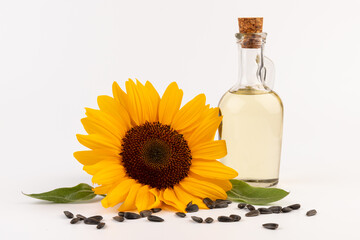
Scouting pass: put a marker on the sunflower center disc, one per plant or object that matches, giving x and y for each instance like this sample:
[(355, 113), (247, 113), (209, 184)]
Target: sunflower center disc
[(155, 155)]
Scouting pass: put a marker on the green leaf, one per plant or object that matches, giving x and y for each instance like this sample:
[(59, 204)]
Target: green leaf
[(243, 192), (81, 192)]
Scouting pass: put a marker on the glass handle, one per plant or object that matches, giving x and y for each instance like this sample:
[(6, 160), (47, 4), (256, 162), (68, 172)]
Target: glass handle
[(268, 73)]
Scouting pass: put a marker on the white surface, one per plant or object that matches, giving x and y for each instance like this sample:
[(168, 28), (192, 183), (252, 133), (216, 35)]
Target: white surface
[(56, 57)]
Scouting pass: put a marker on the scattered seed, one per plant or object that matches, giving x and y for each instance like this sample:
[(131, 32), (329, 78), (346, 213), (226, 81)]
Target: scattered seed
[(221, 205), (100, 225), (131, 215), (253, 213), (68, 214), (220, 201), (286, 210), (271, 226), (225, 219), (81, 217), (197, 219), (275, 209), (189, 204), (119, 218), (235, 217), (209, 220), (74, 220), (145, 213), (311, 213), (241, 205), (155, 210), (121, 214), (209, 203), (181, 214), (192, 208), (264, 211), (153, 218), (250, 207), (295, 206), (91, 221), (97, 217)]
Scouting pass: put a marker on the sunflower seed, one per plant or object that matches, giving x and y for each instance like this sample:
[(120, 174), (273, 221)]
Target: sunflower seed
[(121, 213), (252, 213), (225, 219), (221, 205), (197, 219), (100, 225), (235, 217), (271, 226), (228, 201), (119, 218), (209, 203), (81, 217), (295, 206), (275, 209), (189, 204), (311, 213), (181, 214), (91, 221), (131, 215), (209, 220), (241, 205), (153, 218), (155, 210), (68, 214), (145, 213), (264, 211), (97, 217), (192, 208), (74, 220), (286, 210), (250, 207)]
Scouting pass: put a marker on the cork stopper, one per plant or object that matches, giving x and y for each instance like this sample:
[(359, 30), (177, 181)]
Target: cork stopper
[(250, 25), (250, 32)]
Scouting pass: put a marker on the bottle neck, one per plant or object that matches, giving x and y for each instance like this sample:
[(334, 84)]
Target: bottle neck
[(251, 62)]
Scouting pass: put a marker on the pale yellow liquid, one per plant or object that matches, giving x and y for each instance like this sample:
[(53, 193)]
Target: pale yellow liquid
[(252, 127)]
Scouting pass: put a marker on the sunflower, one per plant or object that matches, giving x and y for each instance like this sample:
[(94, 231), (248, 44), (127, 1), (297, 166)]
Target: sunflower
[(147, 152)]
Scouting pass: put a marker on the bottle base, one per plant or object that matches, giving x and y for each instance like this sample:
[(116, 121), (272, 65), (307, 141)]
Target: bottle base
[(262, 182)]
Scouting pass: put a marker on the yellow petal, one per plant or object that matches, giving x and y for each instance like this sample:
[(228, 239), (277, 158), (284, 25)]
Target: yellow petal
[(108, 174), (109, 163), (212, 169), (156, 194), (104, 189), (170, 103), (116, 110), (155, 101), (118, 194), (206, 130), (187, 197), (202, 188), (209, 150), (129, 203), (92, 127), (105, 120), (95, 141), (135, 103), (189, 114), (224, 184), (94, 156), (169, 197), (144, 199), (119, 95)]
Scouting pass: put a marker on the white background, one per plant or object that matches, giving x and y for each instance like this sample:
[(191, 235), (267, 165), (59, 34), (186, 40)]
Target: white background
[(56, 57)]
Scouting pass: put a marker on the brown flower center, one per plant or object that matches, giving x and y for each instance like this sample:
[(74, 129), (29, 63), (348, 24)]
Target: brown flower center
[(156, 155)]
